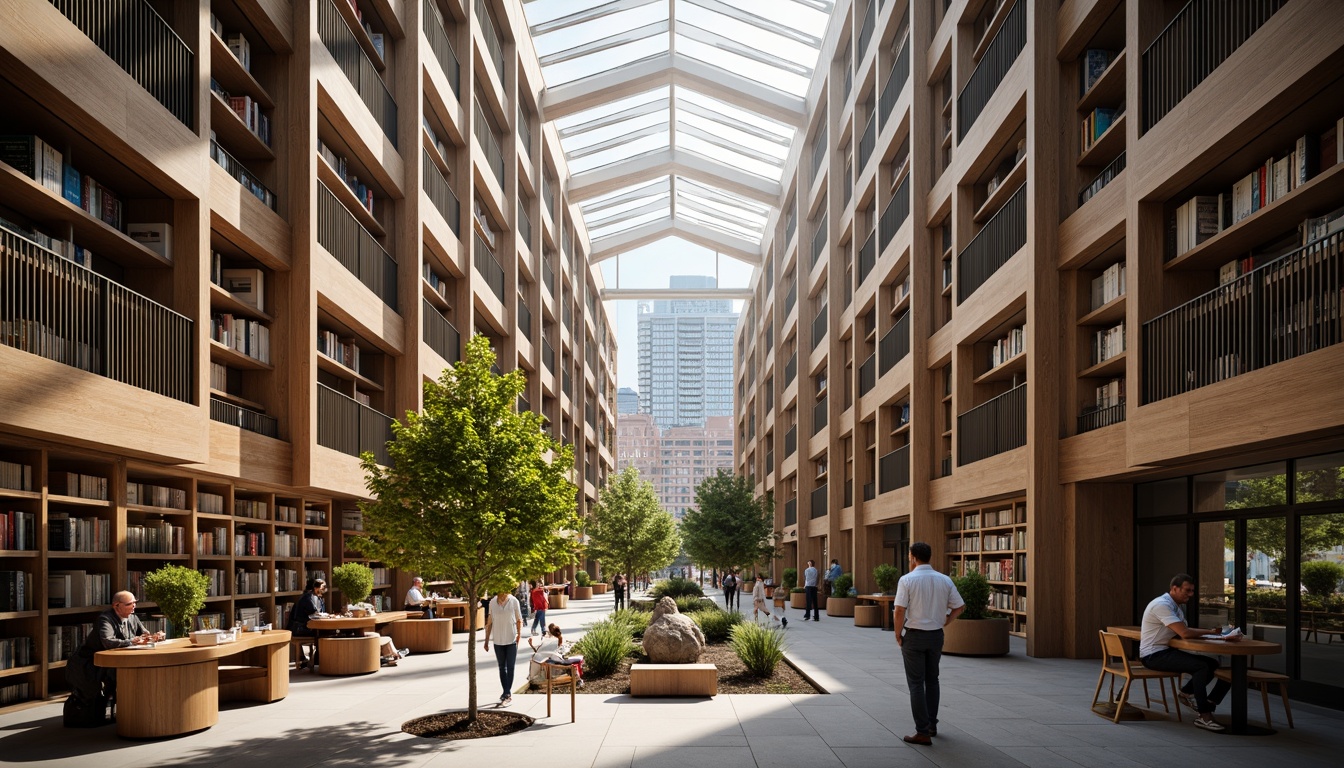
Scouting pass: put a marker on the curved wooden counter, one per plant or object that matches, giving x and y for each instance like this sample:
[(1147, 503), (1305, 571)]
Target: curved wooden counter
[(175, 687)]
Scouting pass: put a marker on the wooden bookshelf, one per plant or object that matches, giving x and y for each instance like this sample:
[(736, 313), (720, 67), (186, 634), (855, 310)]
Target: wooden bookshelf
[(229, 73), (233, 133), (333, 181), (1107, 145), (1109, 88), (1006, 189), (992, 539)]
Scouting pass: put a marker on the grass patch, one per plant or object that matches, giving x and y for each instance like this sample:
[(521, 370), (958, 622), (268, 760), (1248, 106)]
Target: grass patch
[(605, 646), (716, 625), (760, 648)]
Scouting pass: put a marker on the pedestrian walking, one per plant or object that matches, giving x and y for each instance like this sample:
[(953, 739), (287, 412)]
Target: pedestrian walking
[(926, 601), (729, 590), (810, 587), (758, 599), (618, 586), (504, 625)]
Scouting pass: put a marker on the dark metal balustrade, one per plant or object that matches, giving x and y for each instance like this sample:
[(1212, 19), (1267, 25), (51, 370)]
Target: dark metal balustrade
[(347, 425), (440, 334), (867, 257), (359, 70), (868, 375), (1101, 417), (993, 67), (442, 46), (790, 441), (891, 90), (993, 427), (895, 214), (820, 415), (893, 470), (489, 267), (244, 418), (1002, 236), (355, 247), (895, 345), (441, 194), (791, 512), (818, 505)]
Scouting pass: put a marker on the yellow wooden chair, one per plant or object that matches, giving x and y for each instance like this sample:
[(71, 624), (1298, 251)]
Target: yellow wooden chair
[(1115, 662), (1262, 680), (561, 675)]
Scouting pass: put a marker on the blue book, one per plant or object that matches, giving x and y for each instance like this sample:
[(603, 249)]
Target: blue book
[(71, 184)]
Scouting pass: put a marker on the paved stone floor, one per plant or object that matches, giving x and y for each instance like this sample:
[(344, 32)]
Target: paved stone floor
[(995, 712)]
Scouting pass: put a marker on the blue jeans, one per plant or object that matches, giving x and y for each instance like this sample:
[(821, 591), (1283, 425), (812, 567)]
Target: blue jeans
[(1199, 668), (810, 608), (539, 620), (921, 650), (505, 655)]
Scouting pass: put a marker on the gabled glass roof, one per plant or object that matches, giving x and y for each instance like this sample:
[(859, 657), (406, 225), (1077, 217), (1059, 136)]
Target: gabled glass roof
[(699, 154)]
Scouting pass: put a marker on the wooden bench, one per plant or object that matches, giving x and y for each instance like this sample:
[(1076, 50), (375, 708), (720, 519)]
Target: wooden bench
[(348, 655), (674, 680), (422, 635)]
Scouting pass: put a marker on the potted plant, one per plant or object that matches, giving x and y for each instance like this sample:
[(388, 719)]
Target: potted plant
[(787, 581), (887, 576), (180, 593), (583, 586), (354, 581), (840, 602), (798, 597), (600, 587), (976, 633)]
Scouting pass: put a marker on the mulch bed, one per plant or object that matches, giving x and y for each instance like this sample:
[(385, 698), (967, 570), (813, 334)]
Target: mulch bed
[(733, 676), (452, 726)]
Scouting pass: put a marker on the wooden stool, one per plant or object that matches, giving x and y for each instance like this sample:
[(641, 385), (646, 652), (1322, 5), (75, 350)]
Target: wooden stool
[(296, 644), (560, 674), (349, 655), (674, 680), (867, 615), (1262, 680), (422, 635)]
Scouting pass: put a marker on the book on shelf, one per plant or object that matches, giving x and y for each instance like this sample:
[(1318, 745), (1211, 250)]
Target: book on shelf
[(18, 530), (249, 337), (1092, 65), (250, 543), (156, 237), (14, 693), (1109, 285), (343, 351), (156, 538), (78, 589), (210, 503), (214, 541), (31, 156), (78, 534), (314, 516), (1269, 252), (155, 496), (352, 520), (1008, 347), (253, 508), (16, 591), (1110, 394), (1108, 343), (241, 49), (77, 485), (378, 44), (1097, 122), (246, 285), (16, 652), (363, 398), (16, 476)]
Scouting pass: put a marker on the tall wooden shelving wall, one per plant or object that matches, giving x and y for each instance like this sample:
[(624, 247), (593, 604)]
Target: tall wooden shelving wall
[(992, 539)]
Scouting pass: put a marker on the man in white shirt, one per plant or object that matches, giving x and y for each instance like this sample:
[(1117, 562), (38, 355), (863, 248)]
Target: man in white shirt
[(415, 598), (810, 587), (1164, 619), (926, 601), (504, 626)]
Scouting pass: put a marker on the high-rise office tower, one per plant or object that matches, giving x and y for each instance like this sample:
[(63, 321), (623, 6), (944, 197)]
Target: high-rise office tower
[(686, 356), (627, 401)]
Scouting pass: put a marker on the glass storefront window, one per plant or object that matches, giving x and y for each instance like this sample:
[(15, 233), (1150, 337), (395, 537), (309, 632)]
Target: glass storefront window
[(1319, 478), (1266, 590), (1321, 538), (1265, 485), (1161, 555), (1213, 582)]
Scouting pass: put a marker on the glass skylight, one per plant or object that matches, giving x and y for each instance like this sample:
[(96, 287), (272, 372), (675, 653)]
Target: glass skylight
[(752, 55)]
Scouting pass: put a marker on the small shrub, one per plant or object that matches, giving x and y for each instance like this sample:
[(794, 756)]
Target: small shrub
[(789, 579), (674, 588), (180, 593), (635, 621), (887, 576), (353, 580), (841, 586), (974, 589), (604, 646), (643, 606), (690, 605), (760, 648), (1321, 577), (797, 591), (717, 625), (583, 579)]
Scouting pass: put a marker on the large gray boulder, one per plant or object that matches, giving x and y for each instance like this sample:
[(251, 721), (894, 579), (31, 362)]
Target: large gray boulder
[(671, 637)]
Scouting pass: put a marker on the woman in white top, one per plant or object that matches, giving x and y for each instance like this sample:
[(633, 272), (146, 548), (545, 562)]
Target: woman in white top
[(551, 648), (758, 599)]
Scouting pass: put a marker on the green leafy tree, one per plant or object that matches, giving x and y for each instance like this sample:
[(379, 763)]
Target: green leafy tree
[(1318, 533), (728, 525), (627, 527), (353, 580), (476, 493)]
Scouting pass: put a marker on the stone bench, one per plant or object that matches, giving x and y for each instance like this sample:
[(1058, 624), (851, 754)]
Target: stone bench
[(422, 635), (674, 680)]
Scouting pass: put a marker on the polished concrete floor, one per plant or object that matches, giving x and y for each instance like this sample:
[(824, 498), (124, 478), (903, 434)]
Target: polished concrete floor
[(995, 712)]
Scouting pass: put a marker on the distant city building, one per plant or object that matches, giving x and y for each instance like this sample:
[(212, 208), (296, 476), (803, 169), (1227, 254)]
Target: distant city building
[(675, 460), (686, 356), (627, 401)]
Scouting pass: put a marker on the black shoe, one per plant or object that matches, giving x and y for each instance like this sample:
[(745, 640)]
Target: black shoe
[(816, 619), (933, 731), (784, 622)]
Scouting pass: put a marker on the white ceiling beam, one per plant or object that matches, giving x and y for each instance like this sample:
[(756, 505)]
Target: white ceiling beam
[(630, 113), (759, 22), (618, 294), (714, 39), (660, 187), (607, 42), (726, 198), (721, 215), (616, 141), (614, 245), (609, 178), (730, 146), (589, 14), (686, 105), (660, 205)]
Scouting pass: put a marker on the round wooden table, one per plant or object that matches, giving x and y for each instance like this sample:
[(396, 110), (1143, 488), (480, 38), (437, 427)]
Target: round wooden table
[(1238, 651), (886, 603), (345, 649)]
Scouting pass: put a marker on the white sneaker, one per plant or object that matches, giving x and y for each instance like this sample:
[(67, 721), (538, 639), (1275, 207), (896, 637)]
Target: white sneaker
[(1208, 724)]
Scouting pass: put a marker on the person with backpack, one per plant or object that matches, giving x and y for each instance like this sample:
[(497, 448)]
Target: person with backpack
[(730, 598)]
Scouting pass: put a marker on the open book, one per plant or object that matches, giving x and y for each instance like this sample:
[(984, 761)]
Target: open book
[(1226, 633)]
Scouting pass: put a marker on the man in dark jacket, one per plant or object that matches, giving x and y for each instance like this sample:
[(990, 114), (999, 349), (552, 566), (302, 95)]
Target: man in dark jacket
[(92, 687)]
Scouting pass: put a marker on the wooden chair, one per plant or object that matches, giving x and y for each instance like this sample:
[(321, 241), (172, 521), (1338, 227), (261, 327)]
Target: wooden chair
[(296, 644), (561, 674), (1115, 662), (1262, 680)]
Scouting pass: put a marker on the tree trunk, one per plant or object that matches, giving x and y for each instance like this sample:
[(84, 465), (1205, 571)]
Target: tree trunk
[(472, 602)]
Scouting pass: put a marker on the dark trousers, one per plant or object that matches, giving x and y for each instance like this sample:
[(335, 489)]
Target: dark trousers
[(1199, 668), (505, 655), (620, 599), (921, 651), (729, 597), (810, 605)]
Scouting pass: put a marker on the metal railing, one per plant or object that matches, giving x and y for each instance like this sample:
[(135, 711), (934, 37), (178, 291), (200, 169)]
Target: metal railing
[(790, 226), (249, 180), (891, 90), (351, 427), (524, 224), (945, 466), (867, 257), (847, 185), (145, 46), (441, 194), (524, 319), (1101, 417), (489, 267), (590, 415), (791, 512), (548, 275), (790, 298), (547, 355), (442, 46), (440, 334), (893, 470), (818, 153), (849, 493), (1001, 237), (820, 414), (998, 59), (1099, 183), (244, 418), (1278, 311), (1201, 37), (868, 375), (359, 70), (485, 134), (567, 383), (548, 194), (993, 427), (769, 398), (895, 345), (817, 507), (790, 441), (819, 326), (867, 142), (769, 461), (895, 214), (866, 29), (819, 240), (57, 309), (869, 491), (354, 247), (524, 130), (791, 369), (491, 35)]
